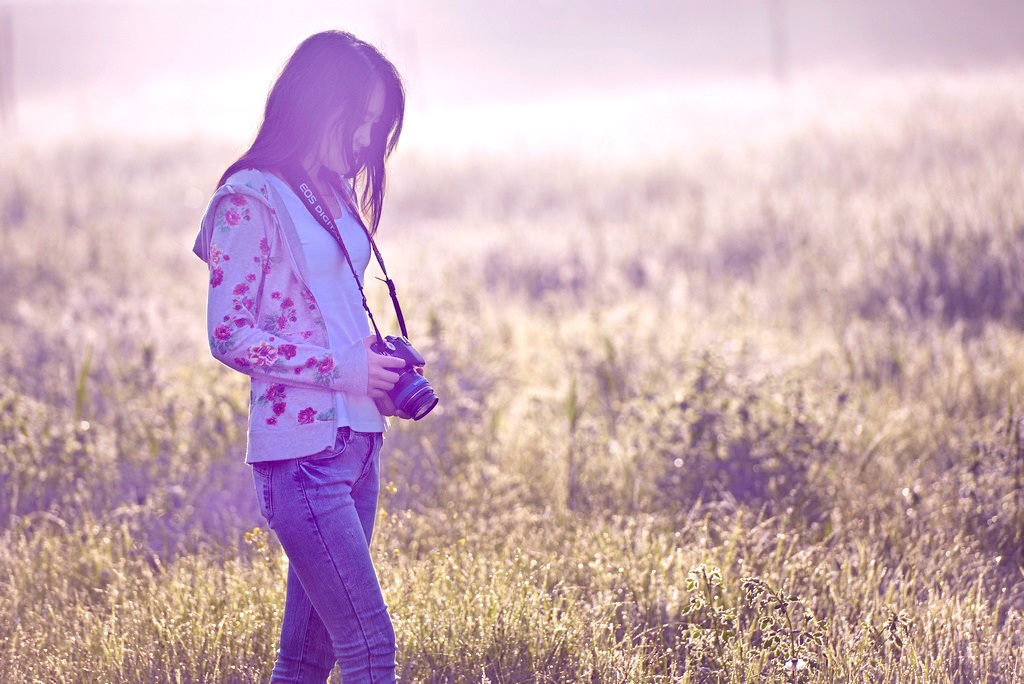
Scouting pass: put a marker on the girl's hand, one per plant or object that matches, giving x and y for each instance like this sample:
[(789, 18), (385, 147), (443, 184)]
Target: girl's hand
[(387, 408), (380, 376)]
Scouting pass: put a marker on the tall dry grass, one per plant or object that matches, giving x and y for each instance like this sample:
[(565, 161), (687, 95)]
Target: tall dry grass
[(749, 413)]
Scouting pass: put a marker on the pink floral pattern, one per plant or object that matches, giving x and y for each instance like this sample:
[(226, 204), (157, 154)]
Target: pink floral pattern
[(264, 322), (275, 393), (307, 297), (286, 314), (264, 258), (325, 365), (262, 354)]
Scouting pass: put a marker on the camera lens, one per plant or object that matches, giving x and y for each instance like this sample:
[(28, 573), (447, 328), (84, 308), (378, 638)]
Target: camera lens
[(413, 394)]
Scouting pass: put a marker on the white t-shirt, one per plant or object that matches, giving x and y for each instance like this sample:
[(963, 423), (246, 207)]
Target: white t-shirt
[(335, 291)]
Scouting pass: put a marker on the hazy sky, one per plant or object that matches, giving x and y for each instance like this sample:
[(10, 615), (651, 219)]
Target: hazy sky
[(174, 66)]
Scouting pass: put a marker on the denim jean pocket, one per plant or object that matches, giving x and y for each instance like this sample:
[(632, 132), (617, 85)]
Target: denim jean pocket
[(340, 446), (370, 454), (262, 477)]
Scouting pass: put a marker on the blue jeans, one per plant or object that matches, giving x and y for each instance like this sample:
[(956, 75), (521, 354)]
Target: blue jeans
[(322, 508)]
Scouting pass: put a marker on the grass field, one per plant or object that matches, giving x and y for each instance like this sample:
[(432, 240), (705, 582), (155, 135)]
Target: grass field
[(744, 411)]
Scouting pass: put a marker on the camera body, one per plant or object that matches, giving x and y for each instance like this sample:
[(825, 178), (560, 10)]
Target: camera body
[(412, 394)]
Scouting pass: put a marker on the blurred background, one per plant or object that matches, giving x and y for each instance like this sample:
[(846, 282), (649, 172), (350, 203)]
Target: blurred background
[(713, 291), (531, 74)]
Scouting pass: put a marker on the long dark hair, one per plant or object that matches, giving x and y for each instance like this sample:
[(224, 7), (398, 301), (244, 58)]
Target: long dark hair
[(330, 71)]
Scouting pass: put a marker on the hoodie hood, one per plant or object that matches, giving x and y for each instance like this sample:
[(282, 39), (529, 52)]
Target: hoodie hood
[(241, 183)]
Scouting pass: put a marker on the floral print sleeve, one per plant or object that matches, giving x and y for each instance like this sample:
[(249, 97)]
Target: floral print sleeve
[(252, 325)]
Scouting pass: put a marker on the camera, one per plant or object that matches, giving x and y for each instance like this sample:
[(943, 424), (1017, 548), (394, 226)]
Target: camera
[(412, 393)]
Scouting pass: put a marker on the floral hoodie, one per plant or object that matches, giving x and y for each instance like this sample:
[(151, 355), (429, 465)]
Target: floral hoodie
[(262, 320)]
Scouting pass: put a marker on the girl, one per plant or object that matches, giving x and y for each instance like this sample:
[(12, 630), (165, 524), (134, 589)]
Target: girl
[(285, 308)]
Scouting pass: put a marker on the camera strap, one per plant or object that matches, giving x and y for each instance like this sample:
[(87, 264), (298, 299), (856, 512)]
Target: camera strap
[(304, 187)]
